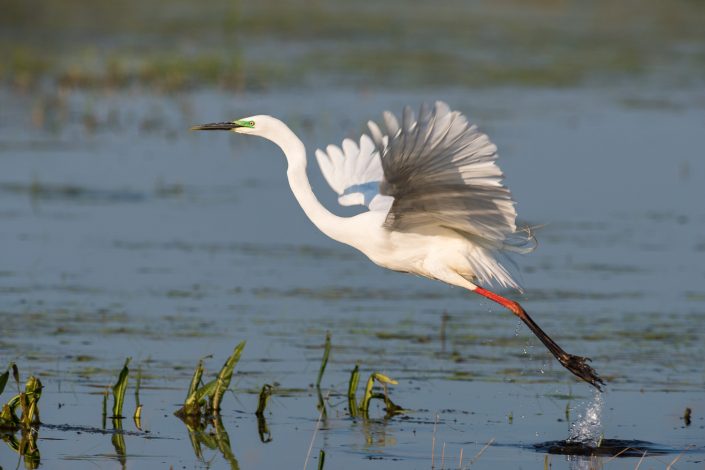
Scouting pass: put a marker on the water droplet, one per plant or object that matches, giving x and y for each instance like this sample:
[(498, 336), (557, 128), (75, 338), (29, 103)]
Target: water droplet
[(588, 427)]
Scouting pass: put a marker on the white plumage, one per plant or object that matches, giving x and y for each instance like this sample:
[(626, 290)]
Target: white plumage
[(432, 175), (437, 205)]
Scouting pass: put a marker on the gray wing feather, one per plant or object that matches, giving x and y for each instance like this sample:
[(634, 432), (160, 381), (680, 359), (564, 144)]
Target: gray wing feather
[(441, 170)]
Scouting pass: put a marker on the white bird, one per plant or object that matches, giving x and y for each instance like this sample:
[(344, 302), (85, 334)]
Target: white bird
[(437, 205)]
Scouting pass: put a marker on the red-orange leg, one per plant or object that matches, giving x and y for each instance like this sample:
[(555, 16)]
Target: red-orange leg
[(576, 364)]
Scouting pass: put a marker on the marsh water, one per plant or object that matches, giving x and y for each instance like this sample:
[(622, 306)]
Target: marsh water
[(124, 235)]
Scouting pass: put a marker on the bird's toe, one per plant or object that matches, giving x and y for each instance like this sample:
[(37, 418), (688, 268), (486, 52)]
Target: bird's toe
[(579, 366)]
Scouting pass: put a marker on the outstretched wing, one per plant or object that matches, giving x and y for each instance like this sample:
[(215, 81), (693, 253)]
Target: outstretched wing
[(441, 170), (355, 173), (435, 170)]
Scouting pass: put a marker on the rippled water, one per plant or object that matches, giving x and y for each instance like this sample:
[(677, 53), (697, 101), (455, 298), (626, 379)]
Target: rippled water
[(125, 235)]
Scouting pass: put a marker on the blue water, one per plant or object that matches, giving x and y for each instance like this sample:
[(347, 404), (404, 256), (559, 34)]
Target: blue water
[(126, 235)]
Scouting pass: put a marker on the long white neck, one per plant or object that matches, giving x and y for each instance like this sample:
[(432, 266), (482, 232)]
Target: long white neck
[(328, 223)]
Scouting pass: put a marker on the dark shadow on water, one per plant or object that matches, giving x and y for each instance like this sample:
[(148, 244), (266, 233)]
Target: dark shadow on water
[(606, 448)]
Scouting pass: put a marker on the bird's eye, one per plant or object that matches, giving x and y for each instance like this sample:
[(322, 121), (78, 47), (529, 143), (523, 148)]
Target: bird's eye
[(252, 123)]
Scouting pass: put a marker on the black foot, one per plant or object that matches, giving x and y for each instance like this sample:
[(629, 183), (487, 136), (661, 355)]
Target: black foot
[(579, 366)]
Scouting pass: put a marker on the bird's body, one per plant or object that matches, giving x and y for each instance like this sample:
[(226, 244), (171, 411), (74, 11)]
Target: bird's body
[(437, 205)]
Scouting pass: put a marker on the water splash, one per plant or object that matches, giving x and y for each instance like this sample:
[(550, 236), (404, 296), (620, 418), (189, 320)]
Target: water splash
[(587, 429)]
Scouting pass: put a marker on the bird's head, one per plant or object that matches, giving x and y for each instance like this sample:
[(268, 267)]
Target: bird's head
[(253, 125)]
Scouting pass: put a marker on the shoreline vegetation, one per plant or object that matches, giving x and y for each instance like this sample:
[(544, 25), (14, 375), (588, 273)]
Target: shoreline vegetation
[(234, 45)]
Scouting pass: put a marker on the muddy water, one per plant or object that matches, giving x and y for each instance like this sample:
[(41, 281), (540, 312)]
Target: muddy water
[(123, 235)]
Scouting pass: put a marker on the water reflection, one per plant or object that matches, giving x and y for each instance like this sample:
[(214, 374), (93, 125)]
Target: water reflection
[(582, 462), (215, 439), (264, 435), (376, 433), (118, 441), (26, 447)]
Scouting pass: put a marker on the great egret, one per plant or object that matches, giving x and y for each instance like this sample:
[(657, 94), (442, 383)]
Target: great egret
[(437, 205)]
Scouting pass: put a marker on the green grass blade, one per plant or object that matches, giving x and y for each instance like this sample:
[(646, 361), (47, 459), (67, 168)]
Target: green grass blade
[(354, 379), (192, 405), (384, 380), (365, 405), (202, 394), (137, 417), (32, 394), (324, 360), (119, 390), (8, 417), (264, 395), (16, 375), (321, 406), (138, 385), (3, 380), (321, 459), (224, 377), (105, 406), (196, 379), (352, 391)]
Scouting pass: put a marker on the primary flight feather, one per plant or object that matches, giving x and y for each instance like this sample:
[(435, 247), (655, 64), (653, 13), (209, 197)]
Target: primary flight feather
[(437, 205)]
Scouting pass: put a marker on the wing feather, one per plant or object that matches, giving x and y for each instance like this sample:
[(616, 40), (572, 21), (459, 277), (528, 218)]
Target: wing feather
[(354, 172), (436, 169), (441, 170)]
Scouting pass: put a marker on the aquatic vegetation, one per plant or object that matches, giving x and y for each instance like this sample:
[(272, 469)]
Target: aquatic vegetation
[(352, 391), (686, 416), (137, 416), (321, 459), (205, 400), (376, 377), (27, 401), (263, 399), (324, 360), (264, 434), (119, 390), (201, 409), (26, 422)]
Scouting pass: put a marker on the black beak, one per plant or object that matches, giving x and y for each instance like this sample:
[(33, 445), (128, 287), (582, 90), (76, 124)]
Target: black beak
[(216, 126)]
